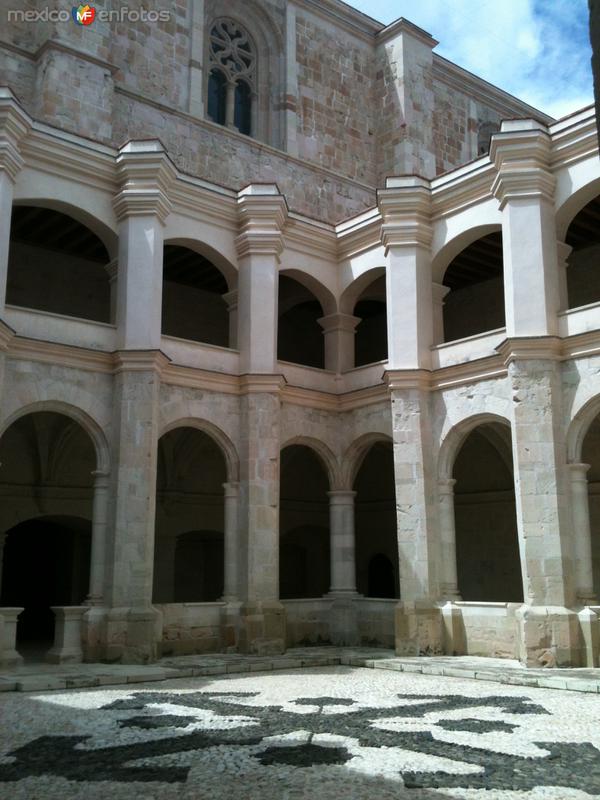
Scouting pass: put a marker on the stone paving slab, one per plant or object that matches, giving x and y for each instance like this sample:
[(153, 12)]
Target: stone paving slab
[(45, 677)]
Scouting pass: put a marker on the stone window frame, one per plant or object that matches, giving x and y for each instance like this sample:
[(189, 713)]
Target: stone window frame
[(234, 68)]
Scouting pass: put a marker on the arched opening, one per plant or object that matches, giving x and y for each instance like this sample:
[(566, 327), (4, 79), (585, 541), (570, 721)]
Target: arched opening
[(475, 300), (193, 306), (583, 270), (304, 550), (189, 537), (217, 96), (299, 335), (370, 344), (590, 454), (46, 488), (57, 265), (375, 524), (487, 543)]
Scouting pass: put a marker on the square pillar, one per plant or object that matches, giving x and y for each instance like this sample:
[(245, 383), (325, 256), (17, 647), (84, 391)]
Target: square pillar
[(15, 125), (131, 619), (548, 625), (9, 657)]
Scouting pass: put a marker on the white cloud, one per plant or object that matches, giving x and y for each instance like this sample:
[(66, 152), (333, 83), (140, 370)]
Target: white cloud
[(536, 50)]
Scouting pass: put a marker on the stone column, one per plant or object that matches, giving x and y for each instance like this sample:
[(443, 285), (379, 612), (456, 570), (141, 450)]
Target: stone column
[(99, 533), (142, 206), (563, 251), (112, 269), (406, 235), (232, 544), (262, 214), (439, 294), (343, 622), (9, 657), (449, 579), (524, 186), (15, 124), (582, 537), (196, 101), (231, 300), (342, 541), (339, 331), (2, 544)]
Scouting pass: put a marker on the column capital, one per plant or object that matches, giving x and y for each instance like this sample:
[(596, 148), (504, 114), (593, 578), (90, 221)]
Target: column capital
[(405, 207), (446, 485), (231, 299), (339, 322), (341, 497), (262, 215), (521, 154), (439, 292), (140, 361), (15, 125), (232, 488), (112, 268), (563, 251), (528, 348), (398, 379), (146, 176), (579, 472)]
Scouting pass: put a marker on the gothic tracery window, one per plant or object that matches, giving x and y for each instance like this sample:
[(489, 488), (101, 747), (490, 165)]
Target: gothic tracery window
[(232, 77)]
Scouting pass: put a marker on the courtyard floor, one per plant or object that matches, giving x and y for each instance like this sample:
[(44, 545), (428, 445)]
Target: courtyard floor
[(319, 732)]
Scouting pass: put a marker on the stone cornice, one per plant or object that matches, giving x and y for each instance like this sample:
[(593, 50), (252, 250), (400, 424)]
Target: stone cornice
[(262, 217), (15, 125), (6, 335), (521, 153), (530, 348), (68, 356), (574, 138), (403, 379), (140, 361), (261, 384), (404, 26), (53, 44), (405, 206), (146, 175)]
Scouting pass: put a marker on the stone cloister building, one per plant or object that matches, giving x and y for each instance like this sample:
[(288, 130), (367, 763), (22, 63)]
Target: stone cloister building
[(299, 342)]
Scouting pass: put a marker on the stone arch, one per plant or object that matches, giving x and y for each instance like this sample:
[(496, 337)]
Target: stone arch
[(353, 291), (579, 426), (319, 290), (355, 455), (456, 244), (221, 262), (219, 437), (325, 455), (89, 425), (456, 436), (106, 231), (571, 205)]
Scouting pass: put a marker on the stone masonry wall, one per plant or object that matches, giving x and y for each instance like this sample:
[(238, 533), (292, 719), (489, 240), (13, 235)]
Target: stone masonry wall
[(335, 104)]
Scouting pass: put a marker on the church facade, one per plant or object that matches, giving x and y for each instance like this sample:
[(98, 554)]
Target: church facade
[(299, 342)]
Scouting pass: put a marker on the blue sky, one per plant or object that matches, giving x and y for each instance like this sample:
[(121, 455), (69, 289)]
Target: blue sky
[(538, 51)]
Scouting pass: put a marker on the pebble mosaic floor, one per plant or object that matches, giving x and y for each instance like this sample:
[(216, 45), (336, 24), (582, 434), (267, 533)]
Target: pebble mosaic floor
[(325, 733)]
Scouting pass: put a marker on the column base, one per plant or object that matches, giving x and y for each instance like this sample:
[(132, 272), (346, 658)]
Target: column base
[(132, 635), (9, 657), (548, 636), (343, 620), (230, 625), (262, 628), (68, 626), (453, 629), (418, 629)]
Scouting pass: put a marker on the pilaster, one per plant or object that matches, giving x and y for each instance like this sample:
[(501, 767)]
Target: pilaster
[(524, 187), (262, 216), (15, 125), (142, 205)]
